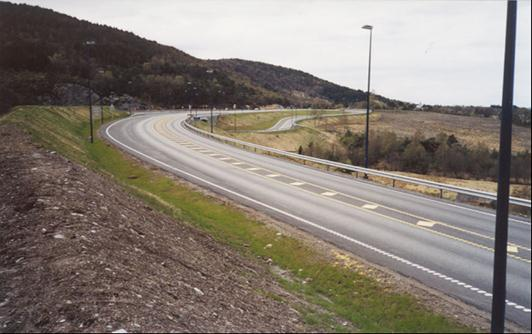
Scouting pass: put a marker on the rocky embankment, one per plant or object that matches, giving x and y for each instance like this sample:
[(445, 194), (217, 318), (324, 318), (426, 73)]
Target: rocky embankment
[(78, 253)]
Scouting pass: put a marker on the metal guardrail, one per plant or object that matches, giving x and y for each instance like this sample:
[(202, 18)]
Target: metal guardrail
[(394, 177)]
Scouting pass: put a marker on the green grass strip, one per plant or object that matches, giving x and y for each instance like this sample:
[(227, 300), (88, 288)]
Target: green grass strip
[(343, 292)]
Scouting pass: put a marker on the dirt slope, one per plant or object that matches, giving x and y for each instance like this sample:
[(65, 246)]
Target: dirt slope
[(77, 253)]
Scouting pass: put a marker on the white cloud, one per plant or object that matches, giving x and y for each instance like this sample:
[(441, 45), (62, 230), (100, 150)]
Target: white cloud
[(447, 52)]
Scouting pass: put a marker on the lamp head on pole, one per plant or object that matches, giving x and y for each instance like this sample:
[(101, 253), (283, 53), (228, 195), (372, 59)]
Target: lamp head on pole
[(90, 43), (368, 27)]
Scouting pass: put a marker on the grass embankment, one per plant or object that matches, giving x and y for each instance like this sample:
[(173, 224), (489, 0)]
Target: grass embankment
[(342, 291), (248, 126)]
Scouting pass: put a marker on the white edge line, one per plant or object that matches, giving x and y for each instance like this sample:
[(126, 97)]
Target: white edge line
[(431, 200), (303, 220)]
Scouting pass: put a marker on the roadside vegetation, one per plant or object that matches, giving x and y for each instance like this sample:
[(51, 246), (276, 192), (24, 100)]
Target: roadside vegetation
[(459, 150), (468, 130), (343, 291), (265, 120)]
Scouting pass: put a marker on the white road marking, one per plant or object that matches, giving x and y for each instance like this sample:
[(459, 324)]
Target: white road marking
[(432, 200), (302, 220), (254, 168), (273, 175), (512, 249), (453, 205), (297, 183), (425, 223), (328, 193), (226, 158), (370, 206)]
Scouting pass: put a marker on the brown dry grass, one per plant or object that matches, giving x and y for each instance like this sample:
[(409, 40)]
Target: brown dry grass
[(468, 130), (286, 140), (519, 190)]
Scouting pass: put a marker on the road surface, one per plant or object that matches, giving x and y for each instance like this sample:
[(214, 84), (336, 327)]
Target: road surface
[(287, 123), (444, 245)]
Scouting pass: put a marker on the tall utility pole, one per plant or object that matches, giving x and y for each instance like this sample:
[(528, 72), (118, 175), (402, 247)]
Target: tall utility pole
[(88, 44), (366, 139), (503, 188), (101, 110), (234, 112), (212, 121)]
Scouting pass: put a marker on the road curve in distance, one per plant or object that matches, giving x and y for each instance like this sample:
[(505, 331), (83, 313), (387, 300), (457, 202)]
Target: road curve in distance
[(444, 245)]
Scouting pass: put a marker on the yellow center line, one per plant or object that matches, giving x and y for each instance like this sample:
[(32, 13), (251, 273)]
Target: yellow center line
[(370, 206), (371, 211)]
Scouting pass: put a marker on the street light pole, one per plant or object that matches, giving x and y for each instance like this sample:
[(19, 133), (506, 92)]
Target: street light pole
[(234, 112), (88, 45), (366, 139), (212, 120), (101, 110), (498, 305)]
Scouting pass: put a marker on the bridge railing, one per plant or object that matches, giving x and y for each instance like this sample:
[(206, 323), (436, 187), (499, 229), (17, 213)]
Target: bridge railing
[(359, 170)]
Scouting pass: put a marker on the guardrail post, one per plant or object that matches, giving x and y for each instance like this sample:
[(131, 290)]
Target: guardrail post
[(393, 183), (441, 193)]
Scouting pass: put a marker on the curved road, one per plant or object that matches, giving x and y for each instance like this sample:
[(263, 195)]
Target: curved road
[(444, 245), (289, 122)]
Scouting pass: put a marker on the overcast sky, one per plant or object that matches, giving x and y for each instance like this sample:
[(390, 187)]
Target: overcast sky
[(435, 52)]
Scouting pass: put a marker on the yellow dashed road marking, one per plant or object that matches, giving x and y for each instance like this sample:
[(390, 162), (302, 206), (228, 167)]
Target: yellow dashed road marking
[(372, 206), (425, 223), (512, 249), (328, 193)]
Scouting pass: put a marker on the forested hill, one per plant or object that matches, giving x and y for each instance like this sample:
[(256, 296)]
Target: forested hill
[(292, 83), (41, 49), (42, 52)]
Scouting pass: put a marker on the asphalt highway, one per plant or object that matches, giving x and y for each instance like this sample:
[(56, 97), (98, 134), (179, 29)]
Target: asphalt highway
[(441, 244), (289, 122)]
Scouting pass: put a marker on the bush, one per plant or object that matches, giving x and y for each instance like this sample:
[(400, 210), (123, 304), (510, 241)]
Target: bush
[(441, 155)]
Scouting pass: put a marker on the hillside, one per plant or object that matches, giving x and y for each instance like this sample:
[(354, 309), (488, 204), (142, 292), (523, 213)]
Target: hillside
[(44, 52), (81, 254), (293, 84)]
